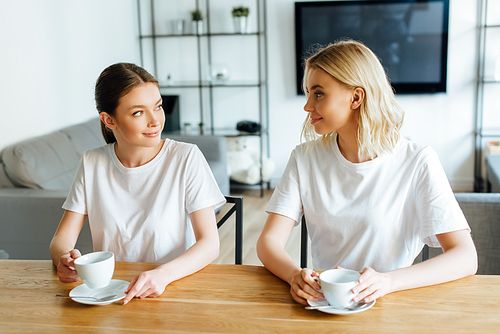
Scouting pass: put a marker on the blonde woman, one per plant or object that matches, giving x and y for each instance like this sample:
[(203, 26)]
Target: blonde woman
[(371, 198)]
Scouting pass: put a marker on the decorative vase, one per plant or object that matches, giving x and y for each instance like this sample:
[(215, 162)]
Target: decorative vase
[(197, 27), (178, 27), (219, 73), (240, 24)]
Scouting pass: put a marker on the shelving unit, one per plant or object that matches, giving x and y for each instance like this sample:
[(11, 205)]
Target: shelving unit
[(487, 125), (215, 115)]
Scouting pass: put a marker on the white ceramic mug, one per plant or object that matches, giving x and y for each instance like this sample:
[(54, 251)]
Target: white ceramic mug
[(336, 286), (96, 269)]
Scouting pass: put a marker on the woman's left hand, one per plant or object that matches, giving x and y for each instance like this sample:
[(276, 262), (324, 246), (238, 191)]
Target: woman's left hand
[(372, 285), (147, 284)]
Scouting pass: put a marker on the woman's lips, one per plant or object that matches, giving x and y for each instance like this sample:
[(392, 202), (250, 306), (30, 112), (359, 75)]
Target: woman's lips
[(315, 120), (152, 134)]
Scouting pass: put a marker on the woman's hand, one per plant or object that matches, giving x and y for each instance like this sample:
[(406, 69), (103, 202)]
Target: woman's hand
[(147, 284), (304, 287), (66, 267), (372, 285)]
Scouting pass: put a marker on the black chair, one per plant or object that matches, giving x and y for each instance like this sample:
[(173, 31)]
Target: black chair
[(425, 253), (237, 208), (303, 243)]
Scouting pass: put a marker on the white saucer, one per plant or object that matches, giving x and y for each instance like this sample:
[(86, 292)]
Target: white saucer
[(333, 310), (116, 287)]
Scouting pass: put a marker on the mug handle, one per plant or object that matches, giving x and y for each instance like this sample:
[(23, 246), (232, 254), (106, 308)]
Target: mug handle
[(317, 280)]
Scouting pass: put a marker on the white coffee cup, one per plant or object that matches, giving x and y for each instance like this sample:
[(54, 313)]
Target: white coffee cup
[(336, 286), (96, 269)]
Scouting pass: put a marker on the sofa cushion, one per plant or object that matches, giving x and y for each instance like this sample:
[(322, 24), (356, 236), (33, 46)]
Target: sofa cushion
[(50, 161)]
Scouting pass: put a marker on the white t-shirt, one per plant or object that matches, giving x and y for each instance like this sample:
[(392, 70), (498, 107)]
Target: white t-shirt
[(142, 214), (377, 213)]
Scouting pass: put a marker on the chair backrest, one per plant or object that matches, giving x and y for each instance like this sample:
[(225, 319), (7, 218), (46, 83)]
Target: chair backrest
[(482, 211), (303, 243), (237, 209)]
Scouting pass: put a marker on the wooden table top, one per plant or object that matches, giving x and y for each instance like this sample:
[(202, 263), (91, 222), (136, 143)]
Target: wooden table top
[(236, 299)]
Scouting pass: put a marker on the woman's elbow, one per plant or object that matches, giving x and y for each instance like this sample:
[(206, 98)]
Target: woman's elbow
[(468, 260), (470, 254), (473, 262), (214, 250), (261, 250)]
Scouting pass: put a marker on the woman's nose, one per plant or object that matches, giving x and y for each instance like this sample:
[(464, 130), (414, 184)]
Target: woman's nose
[(154, 120), (308, 106)]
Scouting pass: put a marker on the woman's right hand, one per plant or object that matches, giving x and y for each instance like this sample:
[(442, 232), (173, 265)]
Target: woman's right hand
[(66, 267), (304, 287)]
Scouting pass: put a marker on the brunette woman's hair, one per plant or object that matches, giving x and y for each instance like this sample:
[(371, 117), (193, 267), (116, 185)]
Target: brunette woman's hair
[(115, 81)]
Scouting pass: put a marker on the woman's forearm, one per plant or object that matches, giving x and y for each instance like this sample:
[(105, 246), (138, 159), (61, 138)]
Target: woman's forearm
[(197, 257), (276, 259), (66, 235), (58, 247), (456, 262), (271, 247)]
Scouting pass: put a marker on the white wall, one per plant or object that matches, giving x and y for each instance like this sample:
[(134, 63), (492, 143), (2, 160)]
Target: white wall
[(53, 50)]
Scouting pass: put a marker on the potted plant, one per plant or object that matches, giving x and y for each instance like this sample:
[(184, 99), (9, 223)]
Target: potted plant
[(240, 19), (197, 21)]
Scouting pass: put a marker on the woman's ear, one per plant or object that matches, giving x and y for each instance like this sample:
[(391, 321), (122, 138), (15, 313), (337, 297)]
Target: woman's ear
[(358, 96), (107, 120)]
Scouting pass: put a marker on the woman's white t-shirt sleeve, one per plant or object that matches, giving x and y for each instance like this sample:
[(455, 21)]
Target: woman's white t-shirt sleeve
[(286, 197), (201, 188), (437, 209), (76, 197)]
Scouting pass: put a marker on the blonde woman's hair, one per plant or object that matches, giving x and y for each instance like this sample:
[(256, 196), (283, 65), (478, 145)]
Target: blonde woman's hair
[(380, 117)]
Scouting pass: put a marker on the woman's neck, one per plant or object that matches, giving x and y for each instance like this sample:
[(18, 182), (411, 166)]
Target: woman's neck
[(135, 156), (348, 147)]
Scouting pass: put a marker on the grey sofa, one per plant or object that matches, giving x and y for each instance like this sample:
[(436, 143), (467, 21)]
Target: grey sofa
[(482, 211), (36, 174)]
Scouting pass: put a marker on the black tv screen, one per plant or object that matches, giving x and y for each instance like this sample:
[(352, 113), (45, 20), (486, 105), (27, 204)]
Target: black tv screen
[(410, 37)]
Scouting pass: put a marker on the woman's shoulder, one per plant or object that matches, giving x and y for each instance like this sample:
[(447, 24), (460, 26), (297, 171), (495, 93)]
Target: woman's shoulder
[(414, 150), (313, 147), (179, 146), (181, 150), (98, 152)]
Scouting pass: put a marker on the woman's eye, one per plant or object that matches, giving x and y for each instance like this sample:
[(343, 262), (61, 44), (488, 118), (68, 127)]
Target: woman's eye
[(159, 107), (138, 113), (318, 94)]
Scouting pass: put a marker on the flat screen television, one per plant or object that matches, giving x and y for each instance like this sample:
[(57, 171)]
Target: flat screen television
[(410, 37)]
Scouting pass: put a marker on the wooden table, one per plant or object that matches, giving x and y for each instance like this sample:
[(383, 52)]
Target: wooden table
[(236, 299)]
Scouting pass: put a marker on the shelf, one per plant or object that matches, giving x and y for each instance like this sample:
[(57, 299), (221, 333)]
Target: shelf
[(210, 94), (490, 132), (208, 84), (216, 132), (491, 26), (201, 35), (490, 80), (483, 133)]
